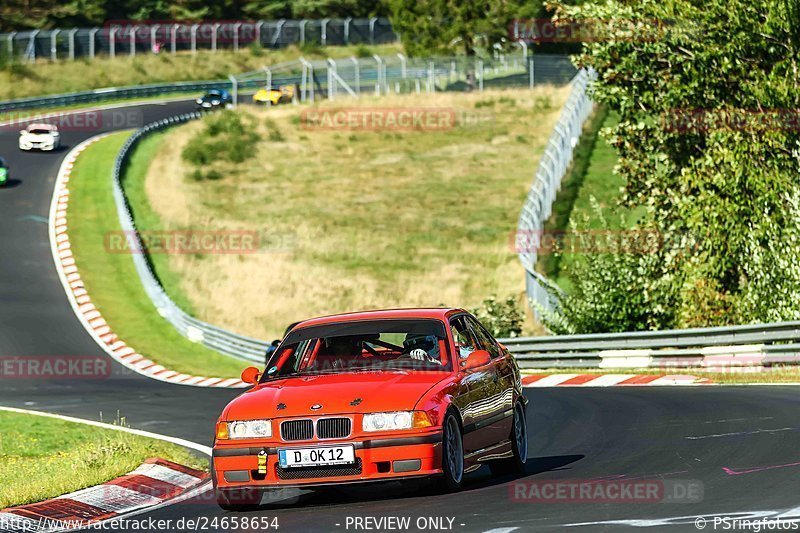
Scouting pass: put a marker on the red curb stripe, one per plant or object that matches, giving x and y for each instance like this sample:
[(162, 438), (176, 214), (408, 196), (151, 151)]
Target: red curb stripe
[(640, 380), (180, 468), (527, 380), (579, 380), (147, 485), (63, 509)]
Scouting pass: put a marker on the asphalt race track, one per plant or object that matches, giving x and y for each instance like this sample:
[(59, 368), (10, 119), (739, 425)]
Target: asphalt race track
[(738, 446)]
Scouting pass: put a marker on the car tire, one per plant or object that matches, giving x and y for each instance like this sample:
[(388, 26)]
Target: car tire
[(240, 500), (452, 455), (519, 446)]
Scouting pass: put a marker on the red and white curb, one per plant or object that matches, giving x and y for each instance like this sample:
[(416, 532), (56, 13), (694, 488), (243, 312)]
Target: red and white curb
[(155, 482), (82, 305), (609, 380)]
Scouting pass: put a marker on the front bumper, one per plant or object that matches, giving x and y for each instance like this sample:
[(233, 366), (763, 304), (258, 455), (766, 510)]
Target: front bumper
[(379, 459)]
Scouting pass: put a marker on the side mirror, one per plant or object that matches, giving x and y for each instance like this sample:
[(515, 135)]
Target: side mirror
[(476, 359), (251, 375)]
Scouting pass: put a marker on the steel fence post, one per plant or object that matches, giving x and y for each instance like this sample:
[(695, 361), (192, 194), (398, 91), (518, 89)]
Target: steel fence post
[(347, 30), (193, 37), (234, 90), (356, 74), (71, 36), (174, 37), (279, 28), (303, 31), (112, 42), (54, 45), (92, 34), (372, 22), (236, 36), (323, 31), (403, 70)]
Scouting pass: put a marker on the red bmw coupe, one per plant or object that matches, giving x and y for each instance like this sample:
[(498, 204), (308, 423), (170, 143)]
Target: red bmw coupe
[(373, 396)]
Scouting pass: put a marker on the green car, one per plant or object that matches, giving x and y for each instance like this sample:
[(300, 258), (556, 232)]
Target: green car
[(3, 172)]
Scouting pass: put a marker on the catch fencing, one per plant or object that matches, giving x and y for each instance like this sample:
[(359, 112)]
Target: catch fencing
[(130, 37), (542, 293), (321, 79)]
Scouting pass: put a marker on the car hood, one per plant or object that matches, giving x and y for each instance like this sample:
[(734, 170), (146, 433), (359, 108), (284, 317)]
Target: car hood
[(38, 137), (336, 393)]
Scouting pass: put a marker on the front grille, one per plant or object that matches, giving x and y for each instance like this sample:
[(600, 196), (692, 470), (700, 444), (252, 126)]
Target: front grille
[(297, 430), (333, 428), (320, 471)]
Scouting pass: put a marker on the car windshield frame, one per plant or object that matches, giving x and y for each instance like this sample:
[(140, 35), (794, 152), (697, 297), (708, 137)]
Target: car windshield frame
[(304, 344)]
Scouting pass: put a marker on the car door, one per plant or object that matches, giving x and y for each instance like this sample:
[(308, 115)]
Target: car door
[(501, 391), (475, 388)]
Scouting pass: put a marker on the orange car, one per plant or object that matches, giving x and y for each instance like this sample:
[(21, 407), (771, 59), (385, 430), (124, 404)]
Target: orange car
[(373, 396)]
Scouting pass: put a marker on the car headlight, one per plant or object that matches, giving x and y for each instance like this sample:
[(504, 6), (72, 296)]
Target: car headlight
[(246, 429), (199, 100), (395, 420)]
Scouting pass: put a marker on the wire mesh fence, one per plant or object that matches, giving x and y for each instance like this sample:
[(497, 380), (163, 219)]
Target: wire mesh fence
[(131, 37)]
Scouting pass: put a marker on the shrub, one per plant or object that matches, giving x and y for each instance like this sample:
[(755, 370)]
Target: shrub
[(501, 318)]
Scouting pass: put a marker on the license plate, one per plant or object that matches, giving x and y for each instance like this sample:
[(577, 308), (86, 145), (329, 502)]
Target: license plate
[(317, 456)]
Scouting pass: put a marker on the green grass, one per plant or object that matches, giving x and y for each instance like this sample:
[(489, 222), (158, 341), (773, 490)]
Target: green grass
[(41, 458), (353, 220), (590, 176), (780, 374), (45, 77), (111, 279)]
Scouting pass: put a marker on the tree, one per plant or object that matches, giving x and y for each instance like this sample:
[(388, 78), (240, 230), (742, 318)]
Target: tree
[(708, 92), (447, 26)]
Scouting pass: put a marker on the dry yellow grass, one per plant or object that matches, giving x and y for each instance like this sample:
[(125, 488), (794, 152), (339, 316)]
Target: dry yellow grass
[(355, 220)]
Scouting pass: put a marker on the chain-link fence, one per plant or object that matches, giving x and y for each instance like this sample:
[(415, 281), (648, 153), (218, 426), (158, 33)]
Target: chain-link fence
[(546, 183), (139, 37)]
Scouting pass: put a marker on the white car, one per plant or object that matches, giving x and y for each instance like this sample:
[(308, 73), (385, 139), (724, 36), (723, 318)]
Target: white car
[(43, 137)]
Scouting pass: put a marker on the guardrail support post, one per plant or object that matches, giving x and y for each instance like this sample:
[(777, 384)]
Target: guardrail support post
[(54, 45)]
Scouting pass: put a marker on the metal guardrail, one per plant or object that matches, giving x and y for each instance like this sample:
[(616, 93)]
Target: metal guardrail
[(223, 341), (546, 183), (747, 345), (137, 37)]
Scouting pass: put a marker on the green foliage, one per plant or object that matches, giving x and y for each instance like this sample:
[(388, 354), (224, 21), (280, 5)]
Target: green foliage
[(227, 136), (697, 151), (502, 318), (442, 26), (24, 14)]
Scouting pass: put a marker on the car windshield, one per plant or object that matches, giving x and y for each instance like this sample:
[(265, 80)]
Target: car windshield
[(40, 131), (376, 345)]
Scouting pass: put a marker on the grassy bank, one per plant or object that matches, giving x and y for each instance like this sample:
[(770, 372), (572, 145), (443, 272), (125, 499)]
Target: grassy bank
[(20, 80), (591, 176), (41, 458), (352, 219), (111, 279)]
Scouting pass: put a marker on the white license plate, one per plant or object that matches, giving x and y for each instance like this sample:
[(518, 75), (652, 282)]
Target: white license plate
[(316, 456)]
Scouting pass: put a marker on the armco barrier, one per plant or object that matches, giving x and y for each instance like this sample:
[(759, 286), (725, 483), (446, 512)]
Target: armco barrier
[(756, 345), (193, 329)]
